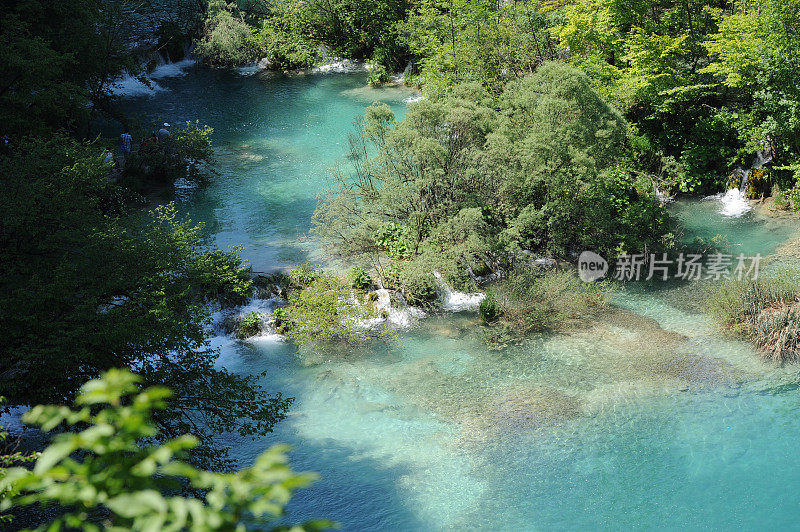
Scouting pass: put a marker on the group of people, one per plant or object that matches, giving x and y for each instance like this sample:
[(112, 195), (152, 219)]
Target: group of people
[(157, 136)]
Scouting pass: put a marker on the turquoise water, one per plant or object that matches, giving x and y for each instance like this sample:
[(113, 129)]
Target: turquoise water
[(644, 417)]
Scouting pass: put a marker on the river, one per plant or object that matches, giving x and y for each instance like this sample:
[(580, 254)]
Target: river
[(645, 417)]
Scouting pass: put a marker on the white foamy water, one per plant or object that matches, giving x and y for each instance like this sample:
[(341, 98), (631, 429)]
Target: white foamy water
[(171, 70), (249, 70), (342, 65), (131, 86), (733, 203), (402, 317), (454, 300), (414, 99)]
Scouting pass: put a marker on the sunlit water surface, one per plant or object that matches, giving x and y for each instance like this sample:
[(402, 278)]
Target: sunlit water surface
[(645, 416)]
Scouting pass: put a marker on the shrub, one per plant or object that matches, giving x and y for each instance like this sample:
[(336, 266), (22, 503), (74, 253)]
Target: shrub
[(359, 279), (186, 154), (227, 39), (281, 320), (779, 198), (284, 37), (534, 301), (325, 309), (794, 197), (250, 325), (378, 75), (304, 275), (489, 308), (766, 310)]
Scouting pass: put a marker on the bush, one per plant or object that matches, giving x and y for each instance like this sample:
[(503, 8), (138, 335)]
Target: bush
[(359, 279), (283, 37), (227, 39), (186, 154), (378, 75), (489, 308), (766, 310), (304, 275), (250, 325), (324, 309), (779, 198), (281, 320), (535, 301), (794, 197)]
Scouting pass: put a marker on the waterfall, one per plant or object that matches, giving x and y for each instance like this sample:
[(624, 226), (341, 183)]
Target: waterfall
[(401, 317), (456, 301), (763, 156), (660, 196), (735, 202), (128, 85)]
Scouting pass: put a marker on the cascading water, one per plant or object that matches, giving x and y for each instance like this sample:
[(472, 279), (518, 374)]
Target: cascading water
[(129, 85), (735, 202), (456, 301)]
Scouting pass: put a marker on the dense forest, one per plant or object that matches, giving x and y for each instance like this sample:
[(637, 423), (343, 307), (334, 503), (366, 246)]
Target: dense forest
[(545, 128)]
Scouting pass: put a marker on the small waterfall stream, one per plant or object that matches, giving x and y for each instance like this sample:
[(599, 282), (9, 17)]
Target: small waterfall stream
[(735, 201)]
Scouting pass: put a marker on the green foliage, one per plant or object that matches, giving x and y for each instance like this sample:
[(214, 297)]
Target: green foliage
[(394, 239), (489, 308), (303, 275), (467, 182), (285, 37), (794, 197), (106, 474), (227, 38), (780, 199), (9, 457), (705, 82), (454, 41), (534, 301), (359, 279), (378, 75), (766, 310), (281, 319), (323, 309), (293, 33), (250, 325), (187, 153), (88, 287), (60, 60)]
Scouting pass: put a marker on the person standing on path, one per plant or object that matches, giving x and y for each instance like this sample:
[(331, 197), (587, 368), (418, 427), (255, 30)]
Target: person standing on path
[(127, 142), (163, 133)]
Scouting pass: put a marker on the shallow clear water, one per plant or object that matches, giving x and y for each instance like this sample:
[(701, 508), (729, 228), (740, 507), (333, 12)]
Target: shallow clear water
[(644, 417)]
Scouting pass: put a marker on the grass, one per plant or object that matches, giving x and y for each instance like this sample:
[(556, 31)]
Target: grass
[(533, 301), (767, 311)]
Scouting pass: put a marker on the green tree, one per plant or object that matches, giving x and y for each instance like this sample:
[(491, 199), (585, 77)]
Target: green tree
[(756, 52), (468, 184), (60, 61), (488, 42), (107, 474), (323, 308), (89, 286), (10, 457), (227, 38), (648, 58)]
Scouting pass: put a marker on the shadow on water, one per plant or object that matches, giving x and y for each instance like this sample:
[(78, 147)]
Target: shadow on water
[(360, 493)]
